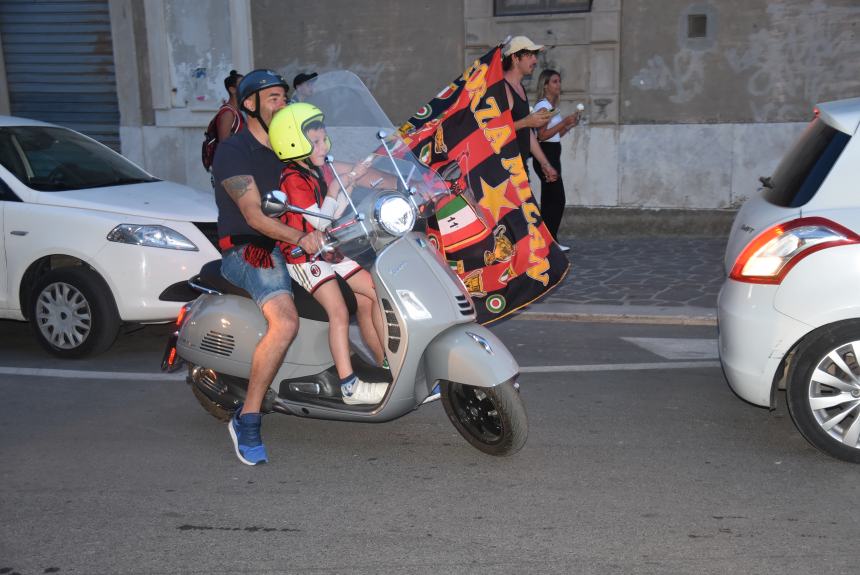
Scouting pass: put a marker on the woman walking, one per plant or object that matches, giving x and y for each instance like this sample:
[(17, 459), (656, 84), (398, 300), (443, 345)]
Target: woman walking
[(552, 199)]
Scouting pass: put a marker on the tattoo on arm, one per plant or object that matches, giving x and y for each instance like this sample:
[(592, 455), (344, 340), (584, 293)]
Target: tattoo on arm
[(237, 186)]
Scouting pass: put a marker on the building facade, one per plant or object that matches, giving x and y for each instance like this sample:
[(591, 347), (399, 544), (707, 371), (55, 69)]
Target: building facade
[(688, 102)]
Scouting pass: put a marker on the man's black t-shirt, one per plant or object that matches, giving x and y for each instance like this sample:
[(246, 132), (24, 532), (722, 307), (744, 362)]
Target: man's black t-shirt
[(519, 111), (242, 155)]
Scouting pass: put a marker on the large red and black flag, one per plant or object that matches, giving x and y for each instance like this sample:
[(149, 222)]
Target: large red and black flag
[(492, 235)]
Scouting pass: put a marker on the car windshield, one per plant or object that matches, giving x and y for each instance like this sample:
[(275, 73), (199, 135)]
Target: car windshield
[(53, 159), (804, 168)]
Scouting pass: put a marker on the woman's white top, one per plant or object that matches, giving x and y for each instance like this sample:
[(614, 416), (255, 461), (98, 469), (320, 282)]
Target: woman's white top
[(553, 122)]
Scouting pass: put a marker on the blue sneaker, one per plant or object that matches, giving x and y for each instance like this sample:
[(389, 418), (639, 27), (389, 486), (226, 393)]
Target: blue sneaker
[(245, 433)]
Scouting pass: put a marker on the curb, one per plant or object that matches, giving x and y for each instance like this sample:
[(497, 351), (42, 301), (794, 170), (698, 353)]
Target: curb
[(657, 315)]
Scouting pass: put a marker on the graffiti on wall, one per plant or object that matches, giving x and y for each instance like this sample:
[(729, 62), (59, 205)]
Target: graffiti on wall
[(805, 52), (798, 53), (683, 80)]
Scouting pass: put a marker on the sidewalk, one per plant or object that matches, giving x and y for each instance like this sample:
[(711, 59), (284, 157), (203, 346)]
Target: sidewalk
[(672, 280)]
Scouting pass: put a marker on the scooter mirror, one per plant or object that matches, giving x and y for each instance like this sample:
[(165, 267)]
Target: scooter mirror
[(451, 172), (275, 204)]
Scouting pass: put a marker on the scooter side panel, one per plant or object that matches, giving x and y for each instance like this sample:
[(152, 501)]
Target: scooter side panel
[(222, 332), (469, 354), (410, 268)]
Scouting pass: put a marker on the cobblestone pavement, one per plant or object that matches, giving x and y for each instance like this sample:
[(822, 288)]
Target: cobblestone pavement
[(643, 271)]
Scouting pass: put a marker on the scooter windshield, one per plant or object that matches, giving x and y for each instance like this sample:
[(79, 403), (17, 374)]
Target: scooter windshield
[(384, 191)]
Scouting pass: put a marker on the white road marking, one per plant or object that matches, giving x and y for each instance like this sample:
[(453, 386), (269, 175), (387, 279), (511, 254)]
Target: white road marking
[(80, 374), (677, 348), (180, 376), (620, 367)]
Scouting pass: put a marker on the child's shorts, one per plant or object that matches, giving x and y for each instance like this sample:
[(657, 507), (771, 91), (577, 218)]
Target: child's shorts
[(311, 275)]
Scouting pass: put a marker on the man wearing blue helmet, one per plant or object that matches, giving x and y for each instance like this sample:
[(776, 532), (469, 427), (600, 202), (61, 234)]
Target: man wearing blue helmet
[(245, 168)]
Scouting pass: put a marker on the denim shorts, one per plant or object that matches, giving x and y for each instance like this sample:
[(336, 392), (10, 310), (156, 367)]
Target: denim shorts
[(262, 283)]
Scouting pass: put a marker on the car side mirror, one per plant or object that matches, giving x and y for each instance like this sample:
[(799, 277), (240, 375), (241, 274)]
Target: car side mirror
[(275, 204)]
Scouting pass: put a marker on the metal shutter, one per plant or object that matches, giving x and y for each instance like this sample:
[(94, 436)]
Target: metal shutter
[(59, 64)]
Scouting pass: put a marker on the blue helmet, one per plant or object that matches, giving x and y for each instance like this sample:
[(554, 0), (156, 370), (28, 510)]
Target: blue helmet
[(257, 80)]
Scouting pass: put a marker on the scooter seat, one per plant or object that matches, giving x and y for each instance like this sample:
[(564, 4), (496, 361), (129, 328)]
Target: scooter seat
[(308, 308)]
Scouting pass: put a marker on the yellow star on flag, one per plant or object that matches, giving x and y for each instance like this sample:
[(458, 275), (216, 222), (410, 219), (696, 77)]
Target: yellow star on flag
[(494, 198)]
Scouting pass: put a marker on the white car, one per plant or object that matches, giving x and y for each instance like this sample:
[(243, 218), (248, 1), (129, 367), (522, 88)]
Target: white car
[(789, 312), (88, 240)]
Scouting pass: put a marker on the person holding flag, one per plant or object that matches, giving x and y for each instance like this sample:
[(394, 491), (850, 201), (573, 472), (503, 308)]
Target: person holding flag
[(520, 59), (490, 229)]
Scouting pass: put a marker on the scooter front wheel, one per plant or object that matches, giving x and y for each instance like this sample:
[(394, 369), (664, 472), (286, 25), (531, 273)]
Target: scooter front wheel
[(492, 419)]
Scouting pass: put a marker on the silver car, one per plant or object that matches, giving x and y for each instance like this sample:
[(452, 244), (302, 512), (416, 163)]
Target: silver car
[(789, 312)]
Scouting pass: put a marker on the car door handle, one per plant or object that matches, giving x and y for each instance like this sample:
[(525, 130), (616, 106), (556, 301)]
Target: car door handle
[(18, 233)]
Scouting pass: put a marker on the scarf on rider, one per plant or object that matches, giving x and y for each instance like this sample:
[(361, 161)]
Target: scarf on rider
[(257, 250)]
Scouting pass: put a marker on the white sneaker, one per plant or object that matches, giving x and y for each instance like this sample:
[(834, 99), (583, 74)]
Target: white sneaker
[(564, 248), (364, 393)]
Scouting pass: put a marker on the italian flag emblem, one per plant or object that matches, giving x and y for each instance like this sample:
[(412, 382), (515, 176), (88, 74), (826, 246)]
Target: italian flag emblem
[(459, 225)]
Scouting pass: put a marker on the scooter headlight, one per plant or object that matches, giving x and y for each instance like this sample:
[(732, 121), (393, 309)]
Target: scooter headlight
[(394, 214)]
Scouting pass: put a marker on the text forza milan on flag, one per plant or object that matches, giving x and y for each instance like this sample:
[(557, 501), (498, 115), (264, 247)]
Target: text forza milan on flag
[(492, 235)]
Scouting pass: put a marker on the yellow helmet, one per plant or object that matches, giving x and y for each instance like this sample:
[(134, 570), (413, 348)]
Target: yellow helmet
[(288, 131)]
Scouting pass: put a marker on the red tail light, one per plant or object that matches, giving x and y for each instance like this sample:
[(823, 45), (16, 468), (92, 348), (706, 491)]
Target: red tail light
[(171, 361), (182, 313), (769, 257)]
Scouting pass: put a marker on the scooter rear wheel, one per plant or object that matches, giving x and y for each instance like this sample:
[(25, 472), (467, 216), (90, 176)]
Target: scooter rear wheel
[(492, 419)]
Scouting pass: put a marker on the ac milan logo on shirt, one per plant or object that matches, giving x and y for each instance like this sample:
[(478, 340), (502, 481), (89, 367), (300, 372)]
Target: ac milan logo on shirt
[(315, 271)]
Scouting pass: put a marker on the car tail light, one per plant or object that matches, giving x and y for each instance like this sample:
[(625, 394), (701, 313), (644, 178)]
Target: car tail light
[(770, 256)]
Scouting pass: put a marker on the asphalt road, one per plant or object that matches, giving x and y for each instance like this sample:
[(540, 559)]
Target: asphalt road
[(639, 460)]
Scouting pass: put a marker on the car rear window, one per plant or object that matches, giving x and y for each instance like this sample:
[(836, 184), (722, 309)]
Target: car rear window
[(804, 168), (51, 159)]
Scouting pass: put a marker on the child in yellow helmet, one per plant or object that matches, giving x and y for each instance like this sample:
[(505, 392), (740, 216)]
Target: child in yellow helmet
[(298, 136)]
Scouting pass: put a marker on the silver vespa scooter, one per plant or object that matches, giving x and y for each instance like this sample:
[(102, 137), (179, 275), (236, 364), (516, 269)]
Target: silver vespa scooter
[(433, 345)]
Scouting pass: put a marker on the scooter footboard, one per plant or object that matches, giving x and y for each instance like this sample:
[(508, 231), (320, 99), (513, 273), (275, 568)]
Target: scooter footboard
[(469, 354)]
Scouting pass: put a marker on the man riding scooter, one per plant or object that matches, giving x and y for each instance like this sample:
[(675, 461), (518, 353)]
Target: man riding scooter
[(433, 345), (245, 165)]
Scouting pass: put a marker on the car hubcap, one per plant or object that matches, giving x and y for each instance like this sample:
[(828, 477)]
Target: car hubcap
[(834, 394), (63, 315)]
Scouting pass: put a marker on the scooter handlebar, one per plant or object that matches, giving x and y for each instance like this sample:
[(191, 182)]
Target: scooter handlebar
[(328, 246)]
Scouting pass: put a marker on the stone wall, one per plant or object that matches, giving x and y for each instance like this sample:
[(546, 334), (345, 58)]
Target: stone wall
[(584, 47), (688, 101), (758, 61), (679, 121), (405, 51)]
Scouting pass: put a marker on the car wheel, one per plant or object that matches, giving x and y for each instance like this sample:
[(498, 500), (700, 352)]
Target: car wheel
[(73, 313), (823, 390)]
